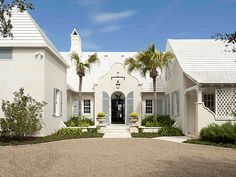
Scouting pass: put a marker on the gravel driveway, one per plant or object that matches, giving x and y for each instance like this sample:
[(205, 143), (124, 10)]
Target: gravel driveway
[(116, 157)]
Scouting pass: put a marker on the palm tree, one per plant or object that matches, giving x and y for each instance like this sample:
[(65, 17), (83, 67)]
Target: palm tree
[(148, 61), (81, 68)]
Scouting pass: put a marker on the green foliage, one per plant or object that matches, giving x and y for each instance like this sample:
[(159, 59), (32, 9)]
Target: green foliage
[(170, 131), (197, 141), (133, 114), (5, 14), (157, 121), (101, 114), (79, 121), (69, 132), (144, 135), (22, 116), (229, 38), (225, 133)]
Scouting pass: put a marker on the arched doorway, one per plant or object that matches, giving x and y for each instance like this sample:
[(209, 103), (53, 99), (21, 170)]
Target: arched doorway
[(117, 108)]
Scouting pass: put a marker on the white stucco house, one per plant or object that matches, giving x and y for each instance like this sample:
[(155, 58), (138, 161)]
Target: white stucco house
[(196, 89), (30, 61)]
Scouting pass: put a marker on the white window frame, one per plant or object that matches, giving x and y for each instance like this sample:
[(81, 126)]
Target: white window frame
[(175, 104), (57, 103), (87, 106), (148, 106)]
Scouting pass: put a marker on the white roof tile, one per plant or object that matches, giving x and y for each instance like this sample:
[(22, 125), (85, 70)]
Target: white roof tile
[(205, 60), (107, 59), (27, 33)]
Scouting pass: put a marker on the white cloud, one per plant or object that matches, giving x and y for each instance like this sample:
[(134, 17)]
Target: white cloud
[(88, 2), (89, 45), (109, 29), (108, 17)]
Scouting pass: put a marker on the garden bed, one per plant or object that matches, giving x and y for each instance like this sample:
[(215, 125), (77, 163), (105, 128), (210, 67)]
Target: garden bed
[(50, 138), (85, 129)]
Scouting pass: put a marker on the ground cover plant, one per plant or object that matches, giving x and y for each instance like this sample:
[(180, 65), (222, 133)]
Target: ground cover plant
[(79, 121)]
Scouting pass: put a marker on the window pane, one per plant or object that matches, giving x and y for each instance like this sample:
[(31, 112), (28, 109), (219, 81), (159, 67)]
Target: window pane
[(5, 53)]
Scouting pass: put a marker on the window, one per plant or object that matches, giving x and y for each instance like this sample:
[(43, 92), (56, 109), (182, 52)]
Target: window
[(57, 103), (5, 53), (167, 72), (87, 107), (209, 101), (148, 106), (175, 103)]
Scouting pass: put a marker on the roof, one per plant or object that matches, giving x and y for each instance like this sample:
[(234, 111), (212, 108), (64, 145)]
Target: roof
[(27, 33), (205, 60), (107, 60)]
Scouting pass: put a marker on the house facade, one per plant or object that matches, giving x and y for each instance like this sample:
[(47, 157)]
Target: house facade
[(30, 61), (196, 89)]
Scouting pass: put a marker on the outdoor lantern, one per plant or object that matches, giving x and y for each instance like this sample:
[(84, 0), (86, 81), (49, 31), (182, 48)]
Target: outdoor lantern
[(117, 84)]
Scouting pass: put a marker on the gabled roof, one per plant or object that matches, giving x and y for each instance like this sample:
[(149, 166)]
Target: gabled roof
[(27, 33), (205, 60), (107, 60)]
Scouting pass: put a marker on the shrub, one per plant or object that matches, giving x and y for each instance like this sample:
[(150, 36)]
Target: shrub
[(133, 114), (69, 132), (101, 114), (22, 116), (170, 131), (81, 121), (225, 133), (157, 121)]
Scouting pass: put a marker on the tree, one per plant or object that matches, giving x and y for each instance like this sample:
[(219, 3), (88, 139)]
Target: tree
[(228, 38), (81, 69), (22, 116), (148, 61), (5, 14)]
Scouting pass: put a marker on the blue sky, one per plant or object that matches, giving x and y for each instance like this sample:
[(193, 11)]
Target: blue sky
[(131, 25)]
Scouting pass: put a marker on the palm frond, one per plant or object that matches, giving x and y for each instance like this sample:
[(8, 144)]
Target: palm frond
[(93, 59)]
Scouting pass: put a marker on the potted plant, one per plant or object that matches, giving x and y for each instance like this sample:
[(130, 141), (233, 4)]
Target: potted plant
[(101, 117), (133, 117)]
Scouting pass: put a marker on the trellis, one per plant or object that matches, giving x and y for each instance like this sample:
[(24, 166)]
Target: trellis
[(225, 103)]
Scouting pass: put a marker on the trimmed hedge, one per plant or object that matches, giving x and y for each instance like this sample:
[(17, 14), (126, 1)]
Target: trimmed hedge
[(225, 133), (170, 131), (157, 121)]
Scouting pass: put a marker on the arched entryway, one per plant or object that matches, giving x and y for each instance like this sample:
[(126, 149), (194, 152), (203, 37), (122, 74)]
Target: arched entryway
[(117, 108)]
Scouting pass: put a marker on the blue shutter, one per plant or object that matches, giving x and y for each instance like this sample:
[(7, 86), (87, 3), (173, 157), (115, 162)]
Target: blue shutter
[(54, 100), (130, 105), (173, 103), (159, 107), (177, 101), (105, 106), (168, 102), (61, 103), (75, 108)]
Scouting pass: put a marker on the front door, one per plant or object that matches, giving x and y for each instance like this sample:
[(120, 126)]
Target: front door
[(117, 108)]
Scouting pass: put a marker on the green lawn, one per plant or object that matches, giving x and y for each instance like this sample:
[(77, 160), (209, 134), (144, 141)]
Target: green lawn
[(201, 142), (50, 138), (144, 135)]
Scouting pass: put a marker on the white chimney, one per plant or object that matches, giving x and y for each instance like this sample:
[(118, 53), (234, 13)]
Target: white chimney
[(76, 42)]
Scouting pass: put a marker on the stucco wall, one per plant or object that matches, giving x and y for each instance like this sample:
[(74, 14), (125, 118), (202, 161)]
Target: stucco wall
[(54, 77), (24, 70), (176, 82), (108, 85)]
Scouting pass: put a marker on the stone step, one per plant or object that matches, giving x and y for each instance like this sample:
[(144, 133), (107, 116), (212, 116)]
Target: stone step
[(116, 131)]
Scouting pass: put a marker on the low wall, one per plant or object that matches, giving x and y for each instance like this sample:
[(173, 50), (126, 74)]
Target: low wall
[(149, 129)]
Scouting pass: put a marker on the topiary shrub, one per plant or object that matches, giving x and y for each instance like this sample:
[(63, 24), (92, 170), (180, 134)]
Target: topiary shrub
[(225, 133), (170, 131), (69, 132), (22, 116)]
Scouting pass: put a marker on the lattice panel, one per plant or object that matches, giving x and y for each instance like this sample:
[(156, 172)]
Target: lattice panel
[(225, 103)]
